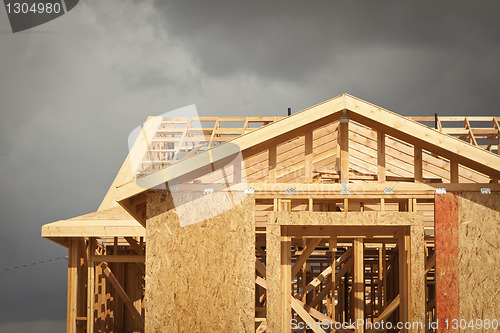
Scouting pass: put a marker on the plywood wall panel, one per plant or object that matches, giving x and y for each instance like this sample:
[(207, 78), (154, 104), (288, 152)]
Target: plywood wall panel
[(273, 277), (201, 277), (417, 276), (479, 256)]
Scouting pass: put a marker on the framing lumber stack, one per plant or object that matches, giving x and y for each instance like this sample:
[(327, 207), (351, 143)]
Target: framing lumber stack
[(354, 213)]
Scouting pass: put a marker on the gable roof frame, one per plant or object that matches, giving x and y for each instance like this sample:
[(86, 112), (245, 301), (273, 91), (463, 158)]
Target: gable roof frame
[(314, 117)]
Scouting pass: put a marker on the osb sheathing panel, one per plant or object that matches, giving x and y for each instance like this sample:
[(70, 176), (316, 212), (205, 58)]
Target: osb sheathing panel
[(346, 219), (273, 277), (479, 256), (447, 247), (413, 221), (201, 277), (417, 275)]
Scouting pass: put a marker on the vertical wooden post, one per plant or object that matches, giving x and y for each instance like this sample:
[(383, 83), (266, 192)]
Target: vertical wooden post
[(273, 276), (417, 277), (308, 158), (344, 146), (381, 278), (359, 284), (82, 290), (381, 157), (272, 164), (332, 248), (304, 271), (403, 278), (286, 280), (90, 284), (73, 263), (417, 164), (454, 172)]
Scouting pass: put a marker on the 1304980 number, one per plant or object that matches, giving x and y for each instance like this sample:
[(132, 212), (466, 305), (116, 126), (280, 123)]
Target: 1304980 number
[(479, 324), (35, 8)]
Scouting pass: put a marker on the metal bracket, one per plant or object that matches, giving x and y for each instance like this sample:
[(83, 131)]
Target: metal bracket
[(345, 190), (389, 190), (440, 190), (291, 190), (208, 190), (249, 191), (485, 190)]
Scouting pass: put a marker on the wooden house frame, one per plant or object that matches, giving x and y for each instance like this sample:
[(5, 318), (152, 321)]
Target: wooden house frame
[(351, 212)]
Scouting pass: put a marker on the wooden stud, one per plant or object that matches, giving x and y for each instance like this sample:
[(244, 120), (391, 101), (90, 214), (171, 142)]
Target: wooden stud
[(380, 157), (344, 146), (417, 164), (358, 283), (90, 284), (286, 278), (454, 174), (403, 278), (272, 164), (308, 158), (304, 272), (332, 249), (73, 263)]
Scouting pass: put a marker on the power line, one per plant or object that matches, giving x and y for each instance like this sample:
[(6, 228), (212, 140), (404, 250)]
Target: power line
[(33, 263)]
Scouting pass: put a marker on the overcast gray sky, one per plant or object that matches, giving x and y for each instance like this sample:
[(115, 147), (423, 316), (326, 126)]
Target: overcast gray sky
[(71, 91)]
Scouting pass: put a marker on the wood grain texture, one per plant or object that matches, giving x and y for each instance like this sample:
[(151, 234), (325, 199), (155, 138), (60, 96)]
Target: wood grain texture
[(447, 273), (200, 278), (347, 219), (321, 224), (417, 276), (273, 276), (479, 256)]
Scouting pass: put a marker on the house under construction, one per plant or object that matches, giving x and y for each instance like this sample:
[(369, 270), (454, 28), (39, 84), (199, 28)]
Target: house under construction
[(339, 213)]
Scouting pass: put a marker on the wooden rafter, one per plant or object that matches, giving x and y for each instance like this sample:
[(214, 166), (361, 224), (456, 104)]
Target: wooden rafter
[(362, 112)]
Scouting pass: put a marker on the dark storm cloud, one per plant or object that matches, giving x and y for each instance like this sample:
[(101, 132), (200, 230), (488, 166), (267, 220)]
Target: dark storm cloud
[(288, 39), (390, 52)]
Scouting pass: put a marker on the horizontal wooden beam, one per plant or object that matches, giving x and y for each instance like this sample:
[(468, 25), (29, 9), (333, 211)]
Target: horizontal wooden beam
[(119, 258)]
